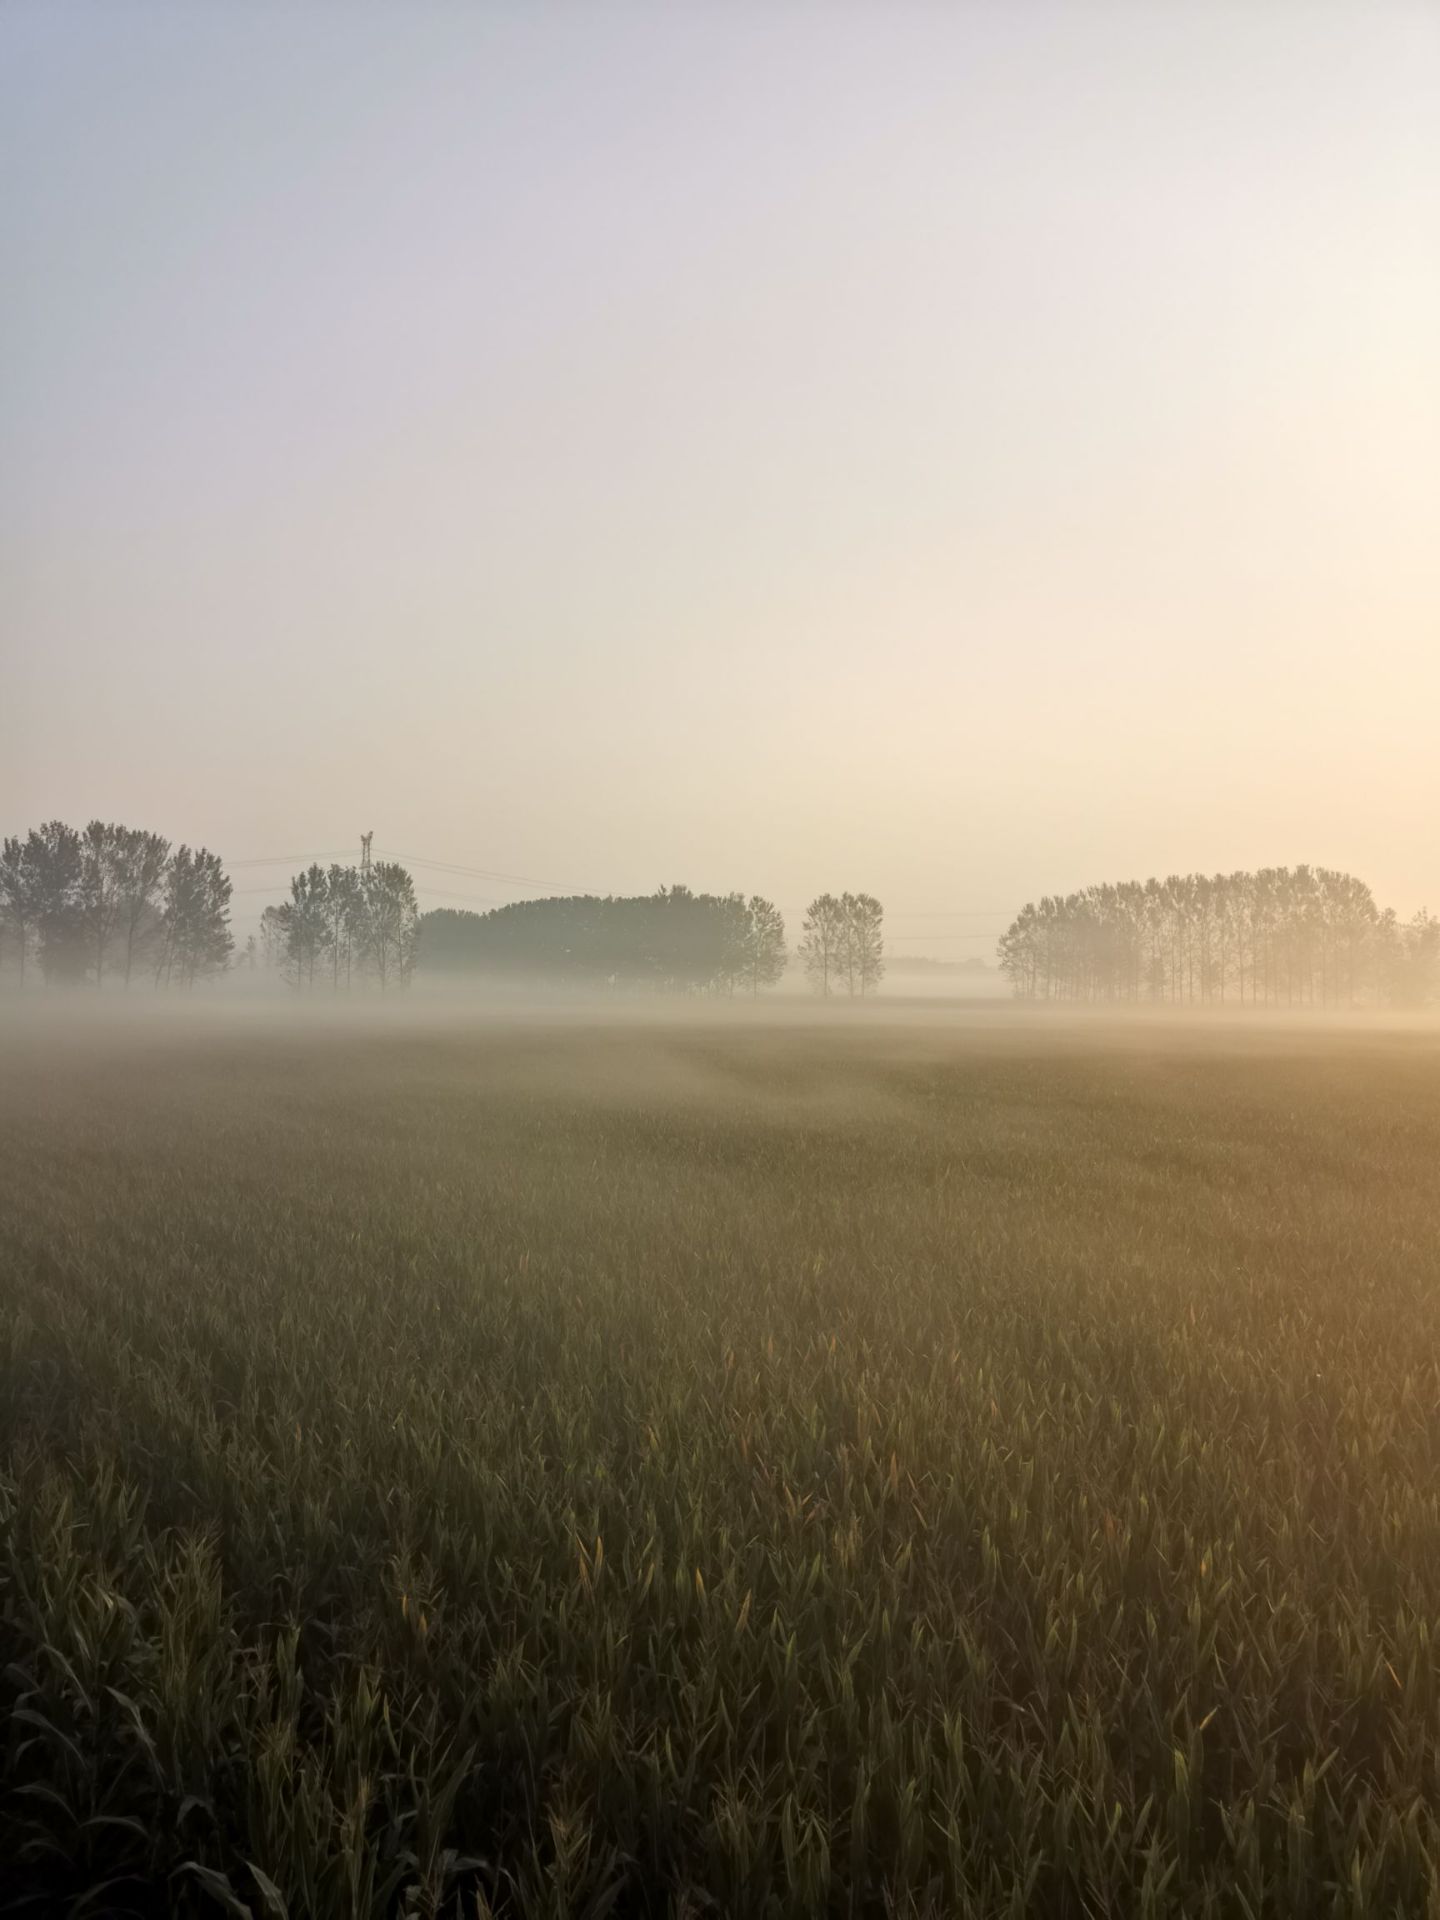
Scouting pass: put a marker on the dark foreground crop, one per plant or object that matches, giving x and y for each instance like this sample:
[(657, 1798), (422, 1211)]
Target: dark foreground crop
[(721, 1470)]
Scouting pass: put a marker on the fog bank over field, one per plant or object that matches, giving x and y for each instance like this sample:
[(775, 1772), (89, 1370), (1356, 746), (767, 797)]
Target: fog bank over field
[(618, 1033)]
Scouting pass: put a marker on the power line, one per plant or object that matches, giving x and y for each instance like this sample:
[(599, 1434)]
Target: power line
[(436, 893), (414, 859), (531, 880), (448, 893), (486, 873), (1000, 916), (290, 859)]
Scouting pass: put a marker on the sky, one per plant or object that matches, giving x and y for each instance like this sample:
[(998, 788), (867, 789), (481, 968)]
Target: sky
[(960, 452)]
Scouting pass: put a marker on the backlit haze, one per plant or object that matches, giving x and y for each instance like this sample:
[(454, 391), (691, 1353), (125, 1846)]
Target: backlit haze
[(956, 452)]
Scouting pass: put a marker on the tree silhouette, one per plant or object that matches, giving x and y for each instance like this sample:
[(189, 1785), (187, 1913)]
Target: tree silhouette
[(1283, 936), (764, 954), (870, 934), (862, 943), (670, 941), (19, 899), (143, 858), (99, 889), (341, 924), (391, 924), (821, 941), (109, 899), (345, 918), (53, 854), (307, 922), (195, 919)]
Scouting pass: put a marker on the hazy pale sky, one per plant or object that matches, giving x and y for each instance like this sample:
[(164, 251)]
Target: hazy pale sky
[(957, 451)]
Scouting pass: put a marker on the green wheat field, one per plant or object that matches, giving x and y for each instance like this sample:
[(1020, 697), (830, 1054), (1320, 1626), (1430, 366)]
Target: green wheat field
[(966, 1465)]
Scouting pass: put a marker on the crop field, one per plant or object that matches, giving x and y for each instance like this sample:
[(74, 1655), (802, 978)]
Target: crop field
[(967, 1466)]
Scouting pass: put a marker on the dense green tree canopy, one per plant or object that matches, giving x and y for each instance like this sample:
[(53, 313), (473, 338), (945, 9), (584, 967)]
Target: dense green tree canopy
[(672, 940)]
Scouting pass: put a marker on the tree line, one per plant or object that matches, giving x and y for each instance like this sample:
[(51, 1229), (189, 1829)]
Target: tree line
[(81, 905), (108, 901), (842, 947), (672, 940), (1282, 937), (343, 927)]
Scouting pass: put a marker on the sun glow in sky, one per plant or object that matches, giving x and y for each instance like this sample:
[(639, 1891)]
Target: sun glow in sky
[(956, 452)]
